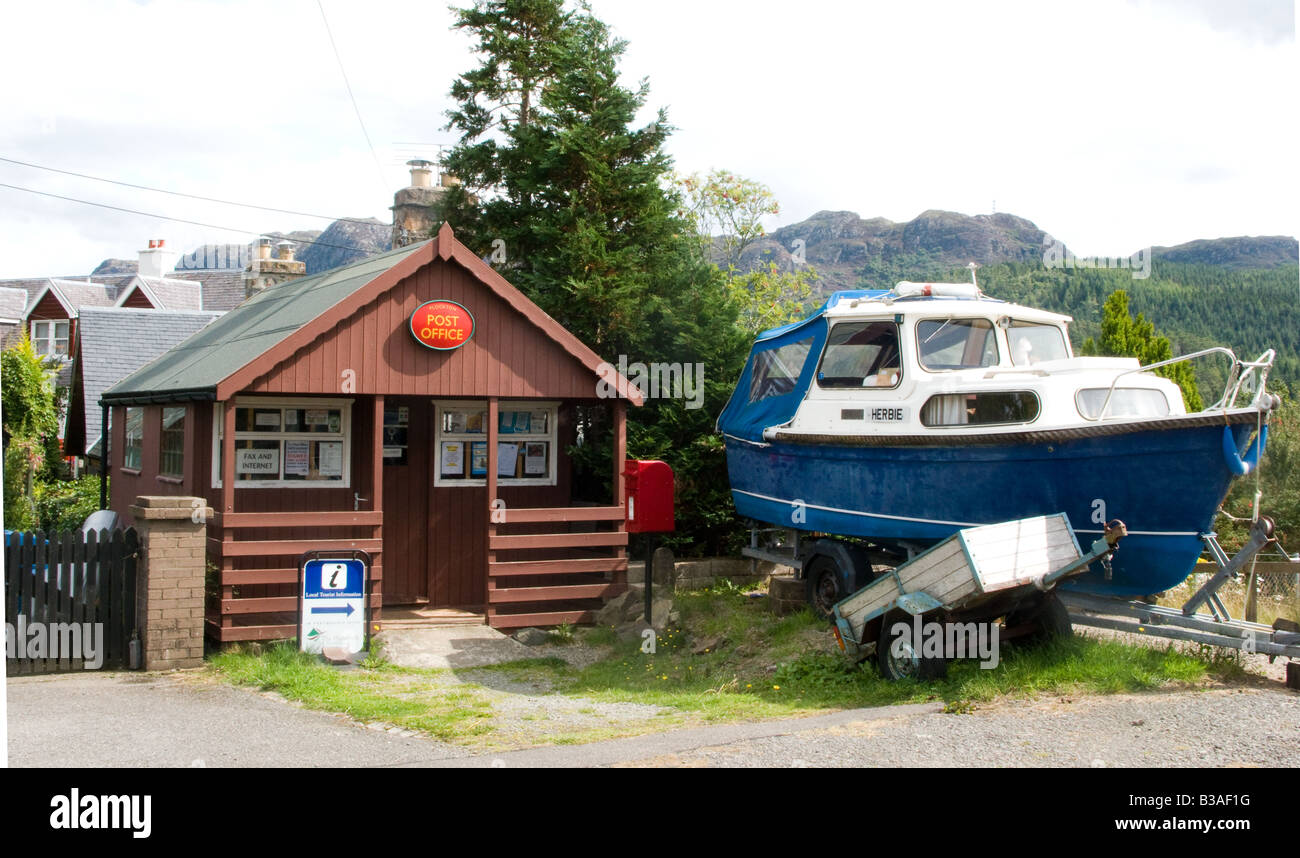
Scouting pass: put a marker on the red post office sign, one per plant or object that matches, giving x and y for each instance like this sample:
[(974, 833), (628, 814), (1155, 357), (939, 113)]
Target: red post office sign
[(442, 325)]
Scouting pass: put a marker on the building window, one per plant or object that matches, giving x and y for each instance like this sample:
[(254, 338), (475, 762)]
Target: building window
[(526, 443), (290, 442), (133, 448), (171, 459), (50, 338)]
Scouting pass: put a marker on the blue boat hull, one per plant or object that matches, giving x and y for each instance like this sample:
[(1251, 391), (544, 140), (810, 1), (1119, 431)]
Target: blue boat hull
[(1166, 484)]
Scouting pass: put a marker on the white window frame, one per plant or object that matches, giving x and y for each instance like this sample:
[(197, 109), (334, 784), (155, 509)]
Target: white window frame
[(218, 427), (138, 467), (52, 338), (551, 436)]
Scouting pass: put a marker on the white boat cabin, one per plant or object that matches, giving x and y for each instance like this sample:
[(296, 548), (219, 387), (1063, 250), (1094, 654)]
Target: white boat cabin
[(945, 359)]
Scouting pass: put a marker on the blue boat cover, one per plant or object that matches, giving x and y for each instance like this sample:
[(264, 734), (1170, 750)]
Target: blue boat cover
[(745, 417)]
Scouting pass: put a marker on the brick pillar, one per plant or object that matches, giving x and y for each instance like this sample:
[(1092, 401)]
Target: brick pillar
[(173, 540)]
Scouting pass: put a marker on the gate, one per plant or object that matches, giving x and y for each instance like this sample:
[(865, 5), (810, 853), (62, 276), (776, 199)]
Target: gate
[(70, 600)]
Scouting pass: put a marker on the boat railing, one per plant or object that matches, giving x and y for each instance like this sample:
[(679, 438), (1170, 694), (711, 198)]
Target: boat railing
[(1248, 376)]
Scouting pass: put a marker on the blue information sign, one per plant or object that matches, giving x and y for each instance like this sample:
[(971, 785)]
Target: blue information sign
[(333, 605)]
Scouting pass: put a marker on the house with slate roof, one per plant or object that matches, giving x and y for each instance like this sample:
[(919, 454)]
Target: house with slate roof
[(414, 406), (114, 342)]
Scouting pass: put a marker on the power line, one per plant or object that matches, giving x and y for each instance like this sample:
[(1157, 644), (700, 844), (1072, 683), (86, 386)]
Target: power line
[(179, 193), (382, 181), (174, 219)]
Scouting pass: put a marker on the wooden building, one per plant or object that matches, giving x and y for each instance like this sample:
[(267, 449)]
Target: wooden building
[(321, 415)]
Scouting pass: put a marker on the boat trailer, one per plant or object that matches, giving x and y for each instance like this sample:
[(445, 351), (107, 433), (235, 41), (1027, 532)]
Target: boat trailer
[(1217, 628), (1188, 623)]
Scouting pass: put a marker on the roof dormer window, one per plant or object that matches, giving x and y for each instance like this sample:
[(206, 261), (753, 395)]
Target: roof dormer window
[(50, 338)]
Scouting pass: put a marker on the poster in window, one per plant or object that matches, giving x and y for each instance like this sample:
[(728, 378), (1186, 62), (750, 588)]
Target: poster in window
[(317, 417), (297, 458), (507, 459), (331, 458), (474, 421), (258, 461), (514, 422), (535, 459), (335, 422), (266, 420), (478, 459), (453, 458), (538, 422), (457, 421)]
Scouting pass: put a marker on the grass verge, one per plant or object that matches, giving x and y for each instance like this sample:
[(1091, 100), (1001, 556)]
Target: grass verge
[(729, 659)]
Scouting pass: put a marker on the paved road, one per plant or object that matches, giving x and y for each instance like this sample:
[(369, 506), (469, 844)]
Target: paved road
[(125, 719)]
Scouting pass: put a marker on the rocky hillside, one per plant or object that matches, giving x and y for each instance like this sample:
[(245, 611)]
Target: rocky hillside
[(846, 249), (345, 241), (851, 252)]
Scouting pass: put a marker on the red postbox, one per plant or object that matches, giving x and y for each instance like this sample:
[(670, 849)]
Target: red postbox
[(649, 496)]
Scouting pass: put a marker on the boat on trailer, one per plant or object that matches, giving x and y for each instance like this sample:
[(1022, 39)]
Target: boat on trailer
[(898, 417)]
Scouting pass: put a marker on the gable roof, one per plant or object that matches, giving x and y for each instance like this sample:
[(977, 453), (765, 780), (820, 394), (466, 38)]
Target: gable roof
[(231, 353), (165, 293), (35, 287), (113, 343), (73, 295)]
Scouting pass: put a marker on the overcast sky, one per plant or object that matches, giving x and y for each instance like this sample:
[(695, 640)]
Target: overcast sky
[(1112, 125)]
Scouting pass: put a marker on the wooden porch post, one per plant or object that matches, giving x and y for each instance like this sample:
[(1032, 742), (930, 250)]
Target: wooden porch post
[(489, 612), (227, 506), (377, 493), (620, 489)]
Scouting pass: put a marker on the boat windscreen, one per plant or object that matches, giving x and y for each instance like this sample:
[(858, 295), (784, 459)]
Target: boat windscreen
[(956, 343), (1035, 342)]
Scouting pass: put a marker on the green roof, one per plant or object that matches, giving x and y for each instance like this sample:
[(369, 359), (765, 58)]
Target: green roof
[(241, 336)]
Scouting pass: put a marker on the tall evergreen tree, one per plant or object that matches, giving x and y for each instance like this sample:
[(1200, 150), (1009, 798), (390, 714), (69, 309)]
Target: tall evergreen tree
[(560, 179), (1125, 336)]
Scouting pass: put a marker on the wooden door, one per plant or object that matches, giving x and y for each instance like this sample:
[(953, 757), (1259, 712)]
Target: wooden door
[(407, 488)]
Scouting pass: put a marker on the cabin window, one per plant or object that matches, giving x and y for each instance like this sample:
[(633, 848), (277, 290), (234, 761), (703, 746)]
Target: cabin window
[(979, 409), (50, 338), (171, 456), (776, 371), (300, 443), (956, 343), (1034, 342), (133, 447), (527, 435), (1125, 402), (860, 354)]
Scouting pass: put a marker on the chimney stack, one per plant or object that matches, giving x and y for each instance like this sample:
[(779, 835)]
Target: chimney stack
[(263, 272), (157, 260), (414, 207)]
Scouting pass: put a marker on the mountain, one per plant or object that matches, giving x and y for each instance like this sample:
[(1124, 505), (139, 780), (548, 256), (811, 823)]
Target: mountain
[(851, 252), (1268, 251), (845, 248), (342, 242), (345, 241)]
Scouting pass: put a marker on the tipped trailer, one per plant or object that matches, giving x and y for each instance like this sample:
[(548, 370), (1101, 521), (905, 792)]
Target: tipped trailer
[(975, 576)]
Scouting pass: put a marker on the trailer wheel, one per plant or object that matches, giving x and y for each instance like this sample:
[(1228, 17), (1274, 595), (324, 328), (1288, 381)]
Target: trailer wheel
[(1049, 618), (906, 663), (824, 587)]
